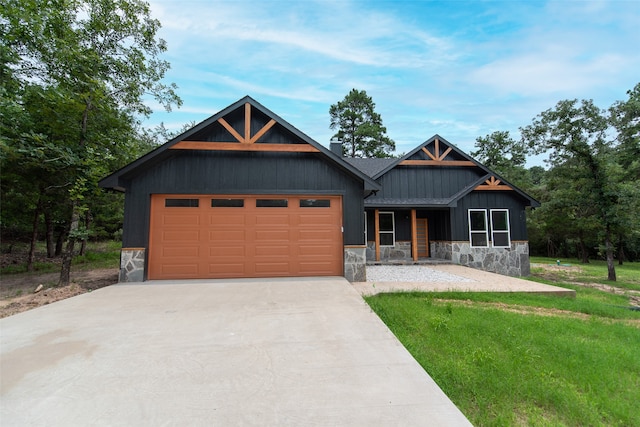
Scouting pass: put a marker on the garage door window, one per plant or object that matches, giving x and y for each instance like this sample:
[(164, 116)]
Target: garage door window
[(315, 203), (181, 203), (227, 203), (272, 203)]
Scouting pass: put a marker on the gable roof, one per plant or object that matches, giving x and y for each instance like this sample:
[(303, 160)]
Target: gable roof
[(421, 156), (238, 142)]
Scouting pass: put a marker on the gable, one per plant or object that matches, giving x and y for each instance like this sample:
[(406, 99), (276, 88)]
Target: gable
[(437, 173), (245, 126)]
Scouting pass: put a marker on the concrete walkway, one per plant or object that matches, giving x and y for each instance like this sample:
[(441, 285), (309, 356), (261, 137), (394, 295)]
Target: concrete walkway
[(473, 281), (285, 352)]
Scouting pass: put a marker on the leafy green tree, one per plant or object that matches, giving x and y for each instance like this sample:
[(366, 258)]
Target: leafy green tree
[(504, 155), (79, 72), (359, 127), (574, 134)]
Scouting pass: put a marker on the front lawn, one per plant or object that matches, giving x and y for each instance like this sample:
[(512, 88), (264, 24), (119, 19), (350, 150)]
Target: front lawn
[(521, 359)]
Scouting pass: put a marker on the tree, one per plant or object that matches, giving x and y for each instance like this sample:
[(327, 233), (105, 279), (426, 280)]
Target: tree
[(575, 136), (359, 127), (504, 155), (79, 72)]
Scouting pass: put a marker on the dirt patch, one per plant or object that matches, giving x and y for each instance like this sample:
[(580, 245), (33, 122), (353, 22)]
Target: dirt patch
[(17, 293), (539, 311)]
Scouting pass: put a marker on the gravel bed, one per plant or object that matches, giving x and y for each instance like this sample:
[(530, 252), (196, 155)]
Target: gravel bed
[(410, 273)]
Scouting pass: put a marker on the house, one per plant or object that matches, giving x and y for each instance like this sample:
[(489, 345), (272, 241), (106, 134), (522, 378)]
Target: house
[(246, 194)]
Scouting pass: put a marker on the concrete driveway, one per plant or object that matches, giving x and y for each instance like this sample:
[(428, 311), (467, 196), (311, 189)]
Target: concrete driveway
[(284, 352)]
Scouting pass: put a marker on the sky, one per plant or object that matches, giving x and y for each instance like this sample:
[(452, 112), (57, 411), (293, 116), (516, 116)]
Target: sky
[(454, 68)]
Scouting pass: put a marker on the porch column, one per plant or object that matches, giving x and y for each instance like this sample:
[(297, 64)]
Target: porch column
[(414, 235), (377, 230)]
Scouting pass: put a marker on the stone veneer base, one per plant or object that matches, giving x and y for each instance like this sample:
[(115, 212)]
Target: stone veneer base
[(132, 261), (355, 263), (513, 261)]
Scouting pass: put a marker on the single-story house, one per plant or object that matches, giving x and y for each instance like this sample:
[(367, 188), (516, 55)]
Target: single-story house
[(246, 194)]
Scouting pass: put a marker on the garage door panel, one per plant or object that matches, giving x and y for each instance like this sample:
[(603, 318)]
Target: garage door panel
[(317, 219), (180, 270), (181, 236), (227, 251), (273, 235), (272, 219), (272, 268), (228, 269), (227, 236), (271, 250), (229, 218), (214, 240), (181, 220), (181, 251)]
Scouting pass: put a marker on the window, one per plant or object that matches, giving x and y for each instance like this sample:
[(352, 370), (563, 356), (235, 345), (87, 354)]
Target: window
[(181, 203), (387, 229), (500, 228), (227, 203), (315, 203), (478, 232), (272, 203)]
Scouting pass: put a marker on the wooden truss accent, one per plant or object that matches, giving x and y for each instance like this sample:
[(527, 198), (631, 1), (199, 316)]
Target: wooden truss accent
[(234, 146), (493, 184), (437, 158), (246, 138), (246, 141)]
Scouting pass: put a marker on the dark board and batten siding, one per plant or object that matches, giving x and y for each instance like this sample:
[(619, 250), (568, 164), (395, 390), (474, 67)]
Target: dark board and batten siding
[(433, 183), (489, 200), (223, 172)]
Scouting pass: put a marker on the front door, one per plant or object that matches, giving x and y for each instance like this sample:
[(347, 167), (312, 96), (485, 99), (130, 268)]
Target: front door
[(422, 231)]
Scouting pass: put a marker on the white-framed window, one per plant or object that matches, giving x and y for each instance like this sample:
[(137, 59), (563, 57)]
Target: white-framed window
[(500, 234), (387, 228), (478, 229)]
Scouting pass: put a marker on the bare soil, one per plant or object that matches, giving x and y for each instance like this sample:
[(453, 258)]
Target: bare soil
[(18, 292)]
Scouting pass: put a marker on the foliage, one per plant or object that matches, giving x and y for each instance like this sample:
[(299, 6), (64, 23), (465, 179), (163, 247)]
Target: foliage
[(359, 127), (75, 77), (503, 155), (503, 364)]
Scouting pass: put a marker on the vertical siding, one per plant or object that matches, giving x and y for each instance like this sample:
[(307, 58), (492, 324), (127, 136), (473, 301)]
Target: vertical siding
[(211, 172), (490, 200)]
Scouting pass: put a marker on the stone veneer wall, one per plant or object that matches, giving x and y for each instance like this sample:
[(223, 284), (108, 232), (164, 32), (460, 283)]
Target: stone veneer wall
[(132, 264), (513, 261), (355, 263), (401, 251)]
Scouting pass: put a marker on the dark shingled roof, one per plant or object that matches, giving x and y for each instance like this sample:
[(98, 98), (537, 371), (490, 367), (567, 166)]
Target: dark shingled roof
[(399, 203), (369, 166)]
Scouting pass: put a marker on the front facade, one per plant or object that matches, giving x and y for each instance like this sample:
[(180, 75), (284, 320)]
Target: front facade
[(245, 194), (438, 203)]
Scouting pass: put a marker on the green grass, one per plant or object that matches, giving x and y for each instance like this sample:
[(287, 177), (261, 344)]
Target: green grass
[(98, 255), (508, 368), (628, 274)]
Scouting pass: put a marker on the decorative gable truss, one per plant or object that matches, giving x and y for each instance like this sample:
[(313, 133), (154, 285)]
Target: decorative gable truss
[(245, 141), (436, 153), (493, 183)]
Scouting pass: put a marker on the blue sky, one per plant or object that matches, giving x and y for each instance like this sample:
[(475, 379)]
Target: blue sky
[(459, 69)]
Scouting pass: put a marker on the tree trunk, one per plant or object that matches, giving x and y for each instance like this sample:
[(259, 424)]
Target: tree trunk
[(87, 224), (62, 237), (51, 246), (67, 256), (621, 255), (611, 268), (584, 254), (34, 235)]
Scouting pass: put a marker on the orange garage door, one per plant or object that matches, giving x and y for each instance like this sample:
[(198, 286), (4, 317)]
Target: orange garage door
[(196, 236)]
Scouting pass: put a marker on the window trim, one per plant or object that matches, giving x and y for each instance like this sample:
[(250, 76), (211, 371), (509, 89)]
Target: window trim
[(485, 231), (493, 231), (392, 231)]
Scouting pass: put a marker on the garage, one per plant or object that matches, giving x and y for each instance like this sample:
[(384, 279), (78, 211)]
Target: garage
[(226, 236)]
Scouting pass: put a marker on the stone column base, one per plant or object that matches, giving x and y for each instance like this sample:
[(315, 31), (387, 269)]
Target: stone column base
[(355, 263), (132, 262)]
